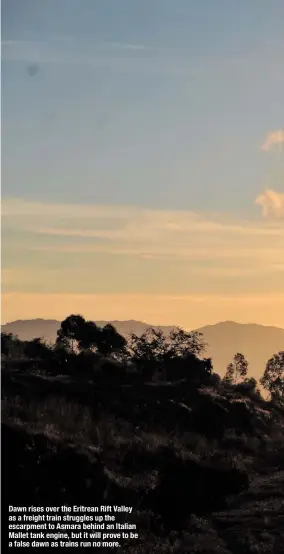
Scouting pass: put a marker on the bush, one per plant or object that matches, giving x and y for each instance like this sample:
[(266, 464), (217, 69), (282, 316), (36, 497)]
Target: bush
[(49, 472), (113, 370), (187, 486)]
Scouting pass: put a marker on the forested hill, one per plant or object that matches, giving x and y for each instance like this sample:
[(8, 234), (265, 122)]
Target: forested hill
[(257, 342)]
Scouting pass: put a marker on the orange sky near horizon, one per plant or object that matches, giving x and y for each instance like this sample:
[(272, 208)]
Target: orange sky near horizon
[(188, 311), (167, 267)]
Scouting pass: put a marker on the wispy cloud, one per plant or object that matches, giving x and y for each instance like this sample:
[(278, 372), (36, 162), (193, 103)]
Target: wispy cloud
[(116, 57), (122, 56), (138, 224), (152, 234), (274, 139), (129, 46), (272, 203), (230, 265)]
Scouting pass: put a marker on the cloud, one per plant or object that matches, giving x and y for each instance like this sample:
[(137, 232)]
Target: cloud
[(117, 57), (83, 53), (273, 139), (17, 207), (272, 203), (129, 46), (142, 221), (139, 232), (70, 248)]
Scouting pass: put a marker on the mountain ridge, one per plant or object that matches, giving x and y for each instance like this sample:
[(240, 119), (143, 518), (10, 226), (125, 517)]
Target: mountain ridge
[(136, 321), (257, 342)]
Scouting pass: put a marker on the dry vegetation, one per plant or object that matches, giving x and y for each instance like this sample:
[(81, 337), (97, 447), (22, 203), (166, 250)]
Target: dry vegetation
[(201, 464)]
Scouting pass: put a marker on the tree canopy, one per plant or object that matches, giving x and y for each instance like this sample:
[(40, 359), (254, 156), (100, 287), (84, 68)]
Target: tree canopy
[(236, 370), (155, 351), (273, 377), (76, 333)]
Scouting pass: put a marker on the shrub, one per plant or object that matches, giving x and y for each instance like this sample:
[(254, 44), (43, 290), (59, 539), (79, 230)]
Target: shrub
[(187, 486)]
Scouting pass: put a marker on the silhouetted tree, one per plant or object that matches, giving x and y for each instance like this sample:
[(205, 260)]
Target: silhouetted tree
[(190, 367), (251, 381), (6, 339), (37, 349), (71, 332), (109, 341), (273, 377), (77, 334), (228, 377), (182, 342), (237, 369), (251, 384), (11, 345), (215, 379), (248, 387), (153, 350), (89, 338)]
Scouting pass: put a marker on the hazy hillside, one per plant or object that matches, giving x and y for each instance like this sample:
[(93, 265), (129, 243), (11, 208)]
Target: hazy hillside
[(28, 329), (257, 342), (47, 328)]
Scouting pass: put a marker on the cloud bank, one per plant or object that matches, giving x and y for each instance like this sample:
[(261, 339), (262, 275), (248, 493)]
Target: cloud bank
[(274, 139)]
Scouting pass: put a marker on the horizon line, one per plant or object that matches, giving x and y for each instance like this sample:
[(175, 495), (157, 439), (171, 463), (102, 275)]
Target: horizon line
[(228, 321)]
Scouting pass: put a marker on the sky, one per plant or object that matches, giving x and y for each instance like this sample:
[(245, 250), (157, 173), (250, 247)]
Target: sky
[(143, 160)]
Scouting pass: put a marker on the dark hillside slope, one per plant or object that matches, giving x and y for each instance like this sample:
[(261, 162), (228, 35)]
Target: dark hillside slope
[(202, 468)]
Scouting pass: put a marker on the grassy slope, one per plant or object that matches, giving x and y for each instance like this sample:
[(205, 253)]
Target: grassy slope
[(125, 426)]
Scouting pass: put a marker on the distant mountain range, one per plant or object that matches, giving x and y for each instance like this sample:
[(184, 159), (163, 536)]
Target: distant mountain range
[(257, 342)]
